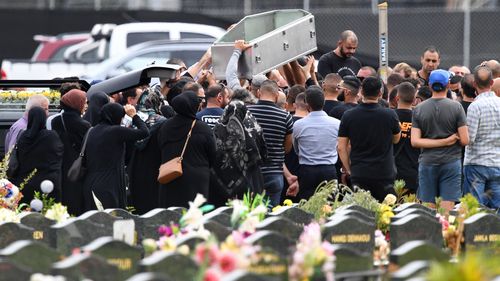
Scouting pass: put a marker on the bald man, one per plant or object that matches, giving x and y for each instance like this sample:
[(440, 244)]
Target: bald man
[(496, 87), (341, 60)]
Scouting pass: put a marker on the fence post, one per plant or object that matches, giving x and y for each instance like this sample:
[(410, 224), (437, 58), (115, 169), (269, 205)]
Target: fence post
[(467, 22)]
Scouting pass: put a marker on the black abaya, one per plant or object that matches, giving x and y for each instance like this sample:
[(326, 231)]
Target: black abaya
[(71, 135), (199, 155), (105, 155)]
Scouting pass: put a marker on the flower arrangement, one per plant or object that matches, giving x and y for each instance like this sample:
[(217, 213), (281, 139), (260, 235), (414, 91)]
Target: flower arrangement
[(21, 97), (384, 213), (247, 213), (10, 195), (312, 258), (320, 203), (57, 212)]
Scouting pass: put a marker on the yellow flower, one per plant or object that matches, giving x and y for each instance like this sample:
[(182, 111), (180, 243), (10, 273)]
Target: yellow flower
[(326, 209), (390, 199), (276, 208), (386, 217), (385, 208), (288, 202)]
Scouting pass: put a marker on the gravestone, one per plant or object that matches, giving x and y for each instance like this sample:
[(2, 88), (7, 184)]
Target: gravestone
[(241, 275), (348, 259), (40, 224), (282, 225), (411, 211), (11, 232), (10, 271), (176, 266), (353, 213), (482, 230), (350, 232), (270, 266), (149, 276), (415, 251), (406, 206), (218, 216), (413, 269), (190, 240), (99, 217), (218, 230), (294, 214), (124, 256), (76, 233), (36, 256), (180, 210), (225, 209), (80, 266), (272, 241), (124, 214), (155, 218), (416, 227), (357, 208)]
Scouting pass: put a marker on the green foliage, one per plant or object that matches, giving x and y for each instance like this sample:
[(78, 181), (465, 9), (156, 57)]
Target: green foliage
[(252, 201), (3, 166), (360, 197), (473, 266), (322, 197), (27, 179), (130, 209), (470, 205), (46, 200)]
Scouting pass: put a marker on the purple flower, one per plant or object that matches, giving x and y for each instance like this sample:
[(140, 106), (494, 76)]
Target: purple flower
[(164, 230)]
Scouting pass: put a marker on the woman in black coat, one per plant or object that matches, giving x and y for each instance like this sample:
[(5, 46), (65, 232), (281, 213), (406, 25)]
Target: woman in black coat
[(105, 156), (96, 102), (146, 158), (39, 149), (71, 129), (199, 155)]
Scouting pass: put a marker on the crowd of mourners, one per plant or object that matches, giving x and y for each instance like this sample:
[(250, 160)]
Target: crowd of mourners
[(282, 133)]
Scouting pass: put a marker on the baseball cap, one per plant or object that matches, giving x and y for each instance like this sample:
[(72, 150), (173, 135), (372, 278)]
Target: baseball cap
[(258, 79), (350, 81), (439, 79)]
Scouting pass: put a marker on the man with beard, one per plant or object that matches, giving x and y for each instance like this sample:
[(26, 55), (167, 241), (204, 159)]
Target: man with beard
[(430, 61), (341, 60)]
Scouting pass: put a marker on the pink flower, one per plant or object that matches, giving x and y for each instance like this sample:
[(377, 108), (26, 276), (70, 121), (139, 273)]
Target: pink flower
[(208, 255), (444, 222), (164, 230), (227, 262), (211, 275)]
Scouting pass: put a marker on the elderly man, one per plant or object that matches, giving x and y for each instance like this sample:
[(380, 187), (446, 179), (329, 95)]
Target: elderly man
[(21, 124)]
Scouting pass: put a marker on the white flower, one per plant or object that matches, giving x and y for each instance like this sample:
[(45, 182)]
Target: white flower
[(198, 201), (57, 212), (7, 215), (249, 224), (390, 199), (261, 209), (47, 186), (238, 210)]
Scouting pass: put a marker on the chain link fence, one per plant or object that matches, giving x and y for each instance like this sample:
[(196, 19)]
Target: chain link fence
[(411, 28)]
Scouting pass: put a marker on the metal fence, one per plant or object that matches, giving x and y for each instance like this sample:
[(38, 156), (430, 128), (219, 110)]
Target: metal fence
[(465, 31)]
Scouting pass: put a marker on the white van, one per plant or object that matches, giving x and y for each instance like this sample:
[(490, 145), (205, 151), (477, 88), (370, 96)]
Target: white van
[(121, 37)]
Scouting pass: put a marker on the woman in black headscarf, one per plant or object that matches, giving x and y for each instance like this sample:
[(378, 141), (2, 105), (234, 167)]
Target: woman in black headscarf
[(39, 149), (198, 157), (96, 102), (241, 149), (71, 129), (105, 156), (146, 158)]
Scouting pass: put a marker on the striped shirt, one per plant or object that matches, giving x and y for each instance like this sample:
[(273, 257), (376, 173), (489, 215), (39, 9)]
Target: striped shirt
[(276, 124), (483, 120)]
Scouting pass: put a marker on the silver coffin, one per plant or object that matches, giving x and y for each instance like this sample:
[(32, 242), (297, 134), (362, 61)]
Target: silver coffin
[(277, 37)]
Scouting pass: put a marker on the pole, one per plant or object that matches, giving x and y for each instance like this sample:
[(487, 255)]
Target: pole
[(466, 33), (247, 7), (306, 5), (382, 36)]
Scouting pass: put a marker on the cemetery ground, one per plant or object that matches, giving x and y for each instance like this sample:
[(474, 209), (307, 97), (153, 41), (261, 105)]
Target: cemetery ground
[(338, 234)]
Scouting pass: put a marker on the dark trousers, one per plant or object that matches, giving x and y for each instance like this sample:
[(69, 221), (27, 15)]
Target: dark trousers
[(379, 188), (310, 176)]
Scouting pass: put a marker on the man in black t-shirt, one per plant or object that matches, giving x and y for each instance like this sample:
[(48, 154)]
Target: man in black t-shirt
[(341, 60), (371, 130), (430, 61), (405, 156), (330, 88), (349, 87)]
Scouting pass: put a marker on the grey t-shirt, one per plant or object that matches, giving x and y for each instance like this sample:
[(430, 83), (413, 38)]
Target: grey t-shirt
[(438, 119)]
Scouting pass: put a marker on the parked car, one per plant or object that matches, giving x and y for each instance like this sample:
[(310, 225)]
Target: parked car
[(158, 52), (52, 48)]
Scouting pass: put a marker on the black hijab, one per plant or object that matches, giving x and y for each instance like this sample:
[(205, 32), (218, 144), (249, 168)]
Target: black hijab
[(37, 119), (96, 102), (112, 114), (186, 104)]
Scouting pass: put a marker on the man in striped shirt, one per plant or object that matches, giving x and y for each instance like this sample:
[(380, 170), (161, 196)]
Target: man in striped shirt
[(482, 155), (277, 126)]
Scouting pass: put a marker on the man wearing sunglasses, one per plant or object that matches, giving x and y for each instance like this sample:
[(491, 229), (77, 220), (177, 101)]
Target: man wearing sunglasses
[(430, 61), (216, 98)]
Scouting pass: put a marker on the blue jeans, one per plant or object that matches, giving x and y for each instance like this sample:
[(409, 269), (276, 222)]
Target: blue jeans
[(484, 183), (439, 180), (273, 184)]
